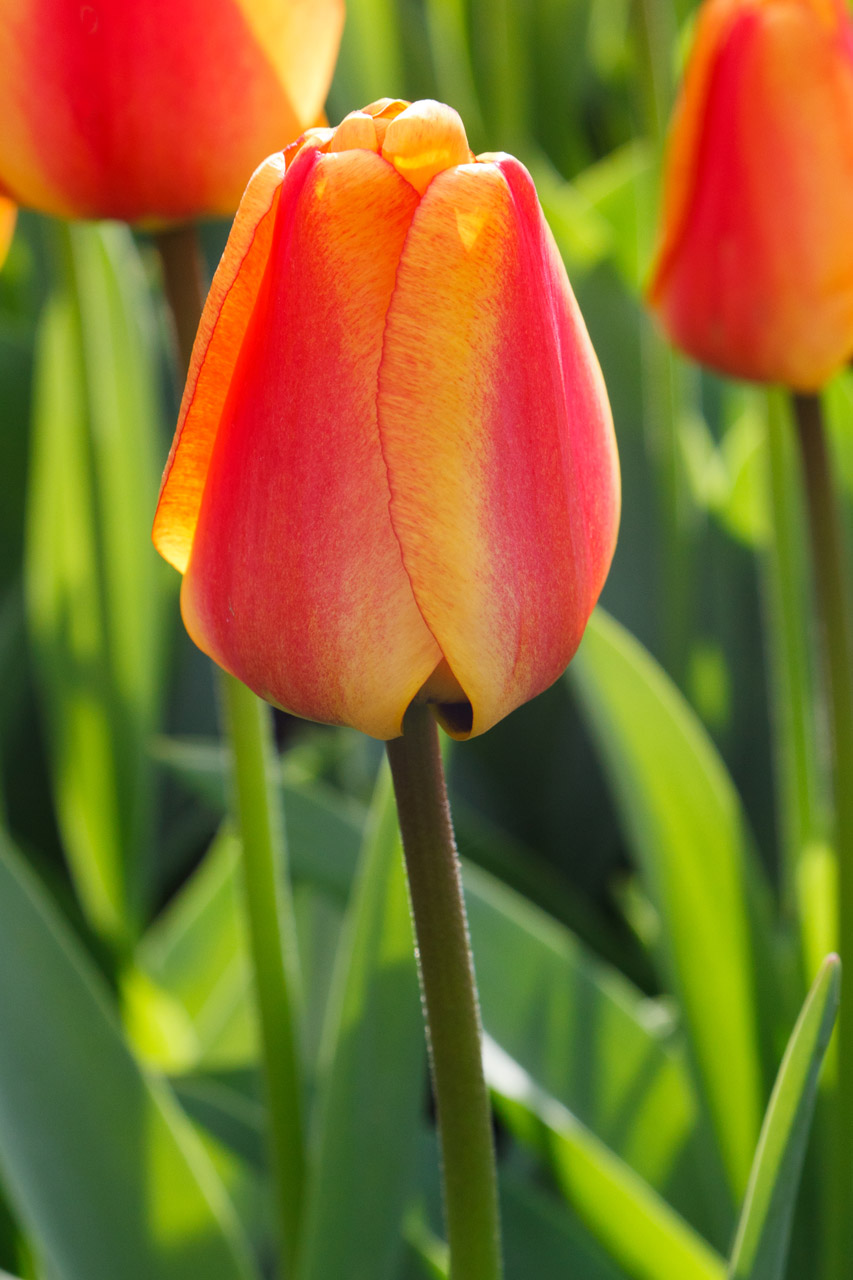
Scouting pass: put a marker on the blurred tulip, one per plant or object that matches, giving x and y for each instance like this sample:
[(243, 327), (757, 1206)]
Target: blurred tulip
[(754, 273), (394, 471), (155, 110), (8, 213)]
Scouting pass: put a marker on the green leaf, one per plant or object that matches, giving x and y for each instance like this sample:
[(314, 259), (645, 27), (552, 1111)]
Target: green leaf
[(372, 1073), (323, 827), (197, 952), (685, 823), (542, 1239), (93, 585), (101, 1164), (630, 1220), (583, 1033), (761, 1244)]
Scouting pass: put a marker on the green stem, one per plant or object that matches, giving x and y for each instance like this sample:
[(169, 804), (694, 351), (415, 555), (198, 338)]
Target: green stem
[(785, 578), (450, 998), (183, 283), (830, 573), (669, 390), (269, 905), (272, 938)]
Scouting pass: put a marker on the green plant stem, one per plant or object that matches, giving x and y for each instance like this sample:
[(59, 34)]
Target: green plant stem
[(450, 999), (269, 905), (669, 391), (272, 938), (830, 574), (802, 803), (183, 283)]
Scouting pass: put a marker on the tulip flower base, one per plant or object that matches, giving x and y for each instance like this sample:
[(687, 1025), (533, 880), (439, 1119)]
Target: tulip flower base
[(450, 998), (831, 590)]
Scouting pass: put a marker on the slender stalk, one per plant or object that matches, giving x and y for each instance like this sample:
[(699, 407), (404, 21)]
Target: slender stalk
[(802, 803), (450, 999), (183, 282), (272, 937), (830, 573), (668, 389), (269, 905)]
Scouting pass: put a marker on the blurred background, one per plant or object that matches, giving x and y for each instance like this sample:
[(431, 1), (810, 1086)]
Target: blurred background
[(658, 797)]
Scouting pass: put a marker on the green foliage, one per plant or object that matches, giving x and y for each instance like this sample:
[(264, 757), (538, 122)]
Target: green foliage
[(100, 1162), (761, 1244)]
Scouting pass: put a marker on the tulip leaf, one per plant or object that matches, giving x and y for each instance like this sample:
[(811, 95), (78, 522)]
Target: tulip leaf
[(542, 1238), (582, 1031), (371, 1074), (92, 583), (761, 1244), (683, 817), (195, 952), (635, 1225), (101, 1164), (590, 1039), (323, 827)]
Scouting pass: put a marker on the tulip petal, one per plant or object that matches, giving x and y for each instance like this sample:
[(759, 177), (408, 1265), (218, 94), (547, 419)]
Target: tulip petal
[(498, 439), (295, 582), (223, 325), (423, 140), (118, 108)]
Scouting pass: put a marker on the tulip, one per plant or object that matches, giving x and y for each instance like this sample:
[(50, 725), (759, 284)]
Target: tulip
[(155, 110), (8, 213), (394, 473), (754, 273)]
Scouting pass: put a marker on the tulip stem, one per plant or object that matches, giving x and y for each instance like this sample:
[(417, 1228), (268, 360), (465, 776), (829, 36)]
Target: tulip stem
[(272, 938), (830, 574), (183, 283), (450, 999)]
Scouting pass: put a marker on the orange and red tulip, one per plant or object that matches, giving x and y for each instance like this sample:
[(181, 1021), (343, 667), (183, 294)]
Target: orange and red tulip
[(394, 473), (754, 274), (155, 110)]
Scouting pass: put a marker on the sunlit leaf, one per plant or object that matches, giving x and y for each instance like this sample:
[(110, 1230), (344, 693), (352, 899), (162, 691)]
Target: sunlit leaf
[(684, 820), (629, 1219), (99, 1161), (372, 1074), (93, 587), (761, 1244)]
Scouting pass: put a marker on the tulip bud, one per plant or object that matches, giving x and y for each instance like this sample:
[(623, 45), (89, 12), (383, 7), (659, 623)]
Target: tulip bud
[(394, 474), (155, 110), (754, 273)]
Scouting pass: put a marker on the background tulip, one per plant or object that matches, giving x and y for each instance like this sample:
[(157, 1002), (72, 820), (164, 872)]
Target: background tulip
[(395, 467), (754, 274), (153, 110)]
